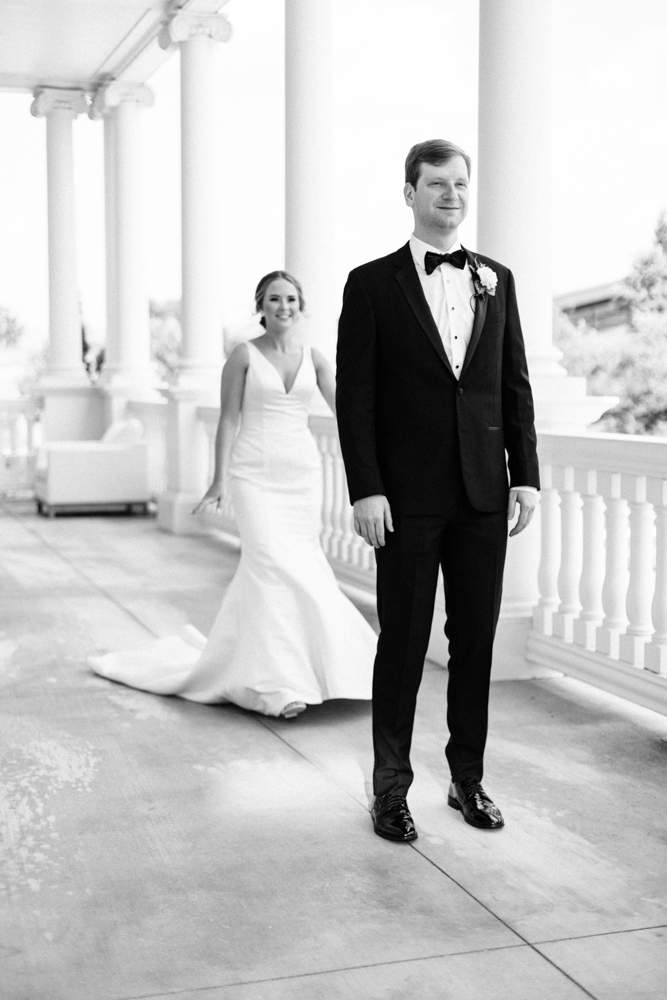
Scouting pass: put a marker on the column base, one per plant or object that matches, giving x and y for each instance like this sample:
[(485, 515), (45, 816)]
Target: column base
[(119, 388), (187, 459), (201, 381), (72, 411), (173, 513), (561, 404)]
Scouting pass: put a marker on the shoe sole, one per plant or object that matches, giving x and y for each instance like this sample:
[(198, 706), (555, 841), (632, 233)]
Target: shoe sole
[(455, 804), (395, 840)]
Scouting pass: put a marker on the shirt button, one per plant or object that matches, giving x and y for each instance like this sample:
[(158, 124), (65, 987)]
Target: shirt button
[(459, 390)]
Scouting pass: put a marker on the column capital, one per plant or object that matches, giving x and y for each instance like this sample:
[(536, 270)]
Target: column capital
[(47, 99), (108, 97), (184, 25)]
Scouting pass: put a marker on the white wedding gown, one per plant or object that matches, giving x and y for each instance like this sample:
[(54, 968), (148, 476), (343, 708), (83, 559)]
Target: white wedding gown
[(284, 632)]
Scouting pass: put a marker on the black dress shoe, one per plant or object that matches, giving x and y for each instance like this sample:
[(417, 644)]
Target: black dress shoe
[(392, 819), (476, 806)]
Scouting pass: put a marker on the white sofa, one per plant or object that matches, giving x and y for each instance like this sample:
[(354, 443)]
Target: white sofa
[(107, 474)]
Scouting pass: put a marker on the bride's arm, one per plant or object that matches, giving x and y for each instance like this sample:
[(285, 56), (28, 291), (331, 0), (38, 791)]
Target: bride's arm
[(326, 380), (232, 385)]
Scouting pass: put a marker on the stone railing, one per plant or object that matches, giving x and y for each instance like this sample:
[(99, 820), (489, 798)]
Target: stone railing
[(19, 439), (602, 611)]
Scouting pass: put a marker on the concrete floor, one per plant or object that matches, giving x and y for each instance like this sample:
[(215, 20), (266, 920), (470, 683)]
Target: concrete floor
[(157, 848)]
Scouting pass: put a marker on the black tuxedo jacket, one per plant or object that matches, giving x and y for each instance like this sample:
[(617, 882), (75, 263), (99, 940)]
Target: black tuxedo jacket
[(408, 429)]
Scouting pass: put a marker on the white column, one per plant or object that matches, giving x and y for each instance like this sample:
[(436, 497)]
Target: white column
[(198, 377), (515, 227), (201, 351), (60, 108), (112, 351), (514, 192), (127, 371), (309, 205), (69, 410)]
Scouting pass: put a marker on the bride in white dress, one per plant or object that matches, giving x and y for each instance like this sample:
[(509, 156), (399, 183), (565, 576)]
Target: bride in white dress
[(285, 636)]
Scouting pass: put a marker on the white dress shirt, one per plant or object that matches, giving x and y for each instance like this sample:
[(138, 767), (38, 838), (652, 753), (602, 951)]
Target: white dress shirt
[(449, 292)]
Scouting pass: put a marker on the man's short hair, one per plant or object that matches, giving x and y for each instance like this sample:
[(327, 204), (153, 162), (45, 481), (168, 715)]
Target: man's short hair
[(434, 151)]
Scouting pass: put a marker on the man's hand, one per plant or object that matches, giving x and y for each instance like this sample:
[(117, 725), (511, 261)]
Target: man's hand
[(527, 503), (370, 517)]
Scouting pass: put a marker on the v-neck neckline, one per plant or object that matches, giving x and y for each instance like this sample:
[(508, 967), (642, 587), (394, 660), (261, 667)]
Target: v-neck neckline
[(288, 392)]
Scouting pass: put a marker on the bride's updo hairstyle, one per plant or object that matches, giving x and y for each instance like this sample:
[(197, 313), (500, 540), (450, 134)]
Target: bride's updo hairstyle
[(264, 283)]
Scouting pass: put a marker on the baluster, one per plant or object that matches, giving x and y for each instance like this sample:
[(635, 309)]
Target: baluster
[(358, 547), (570, 554), (338, 539), (655, 653), (349, 537), (641, 582), (367, 558), (14, 431), (592, 574), (616, 566), (327, 491), (547, 576)]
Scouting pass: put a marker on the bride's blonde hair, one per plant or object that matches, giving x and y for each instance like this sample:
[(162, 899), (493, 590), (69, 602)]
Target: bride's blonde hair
[(264, 283)]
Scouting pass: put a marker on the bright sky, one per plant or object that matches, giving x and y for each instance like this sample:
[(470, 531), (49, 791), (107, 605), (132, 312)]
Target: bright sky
[(609, 129)]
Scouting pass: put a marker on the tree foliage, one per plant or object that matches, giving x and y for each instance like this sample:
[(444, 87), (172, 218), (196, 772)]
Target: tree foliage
[(11, 330), (630, 363), (165, 327)]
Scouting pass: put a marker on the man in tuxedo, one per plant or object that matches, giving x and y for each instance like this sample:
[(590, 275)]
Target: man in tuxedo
[(434, 405)]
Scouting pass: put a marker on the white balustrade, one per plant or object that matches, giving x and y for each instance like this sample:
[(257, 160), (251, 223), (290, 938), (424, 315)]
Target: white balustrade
[(608, 568), (20, 435)]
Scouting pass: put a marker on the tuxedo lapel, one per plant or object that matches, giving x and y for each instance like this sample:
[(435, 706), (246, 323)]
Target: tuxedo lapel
[(481, 303), (478, 323), (408, 279)]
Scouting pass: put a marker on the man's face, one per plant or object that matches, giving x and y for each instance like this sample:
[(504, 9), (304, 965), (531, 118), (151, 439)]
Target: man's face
[(440, 199)]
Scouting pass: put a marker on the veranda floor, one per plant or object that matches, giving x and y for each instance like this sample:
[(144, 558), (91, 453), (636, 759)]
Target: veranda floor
[(157, 848)]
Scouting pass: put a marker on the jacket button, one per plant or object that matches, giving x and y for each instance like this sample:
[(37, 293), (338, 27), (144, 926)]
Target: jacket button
[(460, 391)]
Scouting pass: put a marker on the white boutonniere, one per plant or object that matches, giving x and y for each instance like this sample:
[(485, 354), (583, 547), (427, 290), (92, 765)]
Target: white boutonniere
[(485, 280)]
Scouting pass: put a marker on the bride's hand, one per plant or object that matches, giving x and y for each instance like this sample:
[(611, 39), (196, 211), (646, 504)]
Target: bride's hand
[(215, 494)]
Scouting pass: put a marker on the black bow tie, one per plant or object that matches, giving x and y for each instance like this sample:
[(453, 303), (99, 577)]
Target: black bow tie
[(433, 260)]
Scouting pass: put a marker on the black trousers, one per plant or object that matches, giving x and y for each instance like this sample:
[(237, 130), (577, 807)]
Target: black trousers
[(470, 547)]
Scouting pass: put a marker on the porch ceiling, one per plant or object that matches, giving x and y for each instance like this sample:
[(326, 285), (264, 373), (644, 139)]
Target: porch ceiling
[(78, 43)]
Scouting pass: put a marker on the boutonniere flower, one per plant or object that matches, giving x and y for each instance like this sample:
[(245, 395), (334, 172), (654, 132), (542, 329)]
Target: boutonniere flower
[(485, 280)]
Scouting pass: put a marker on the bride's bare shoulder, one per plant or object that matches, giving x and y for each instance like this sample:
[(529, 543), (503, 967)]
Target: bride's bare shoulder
[(238, 360)]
